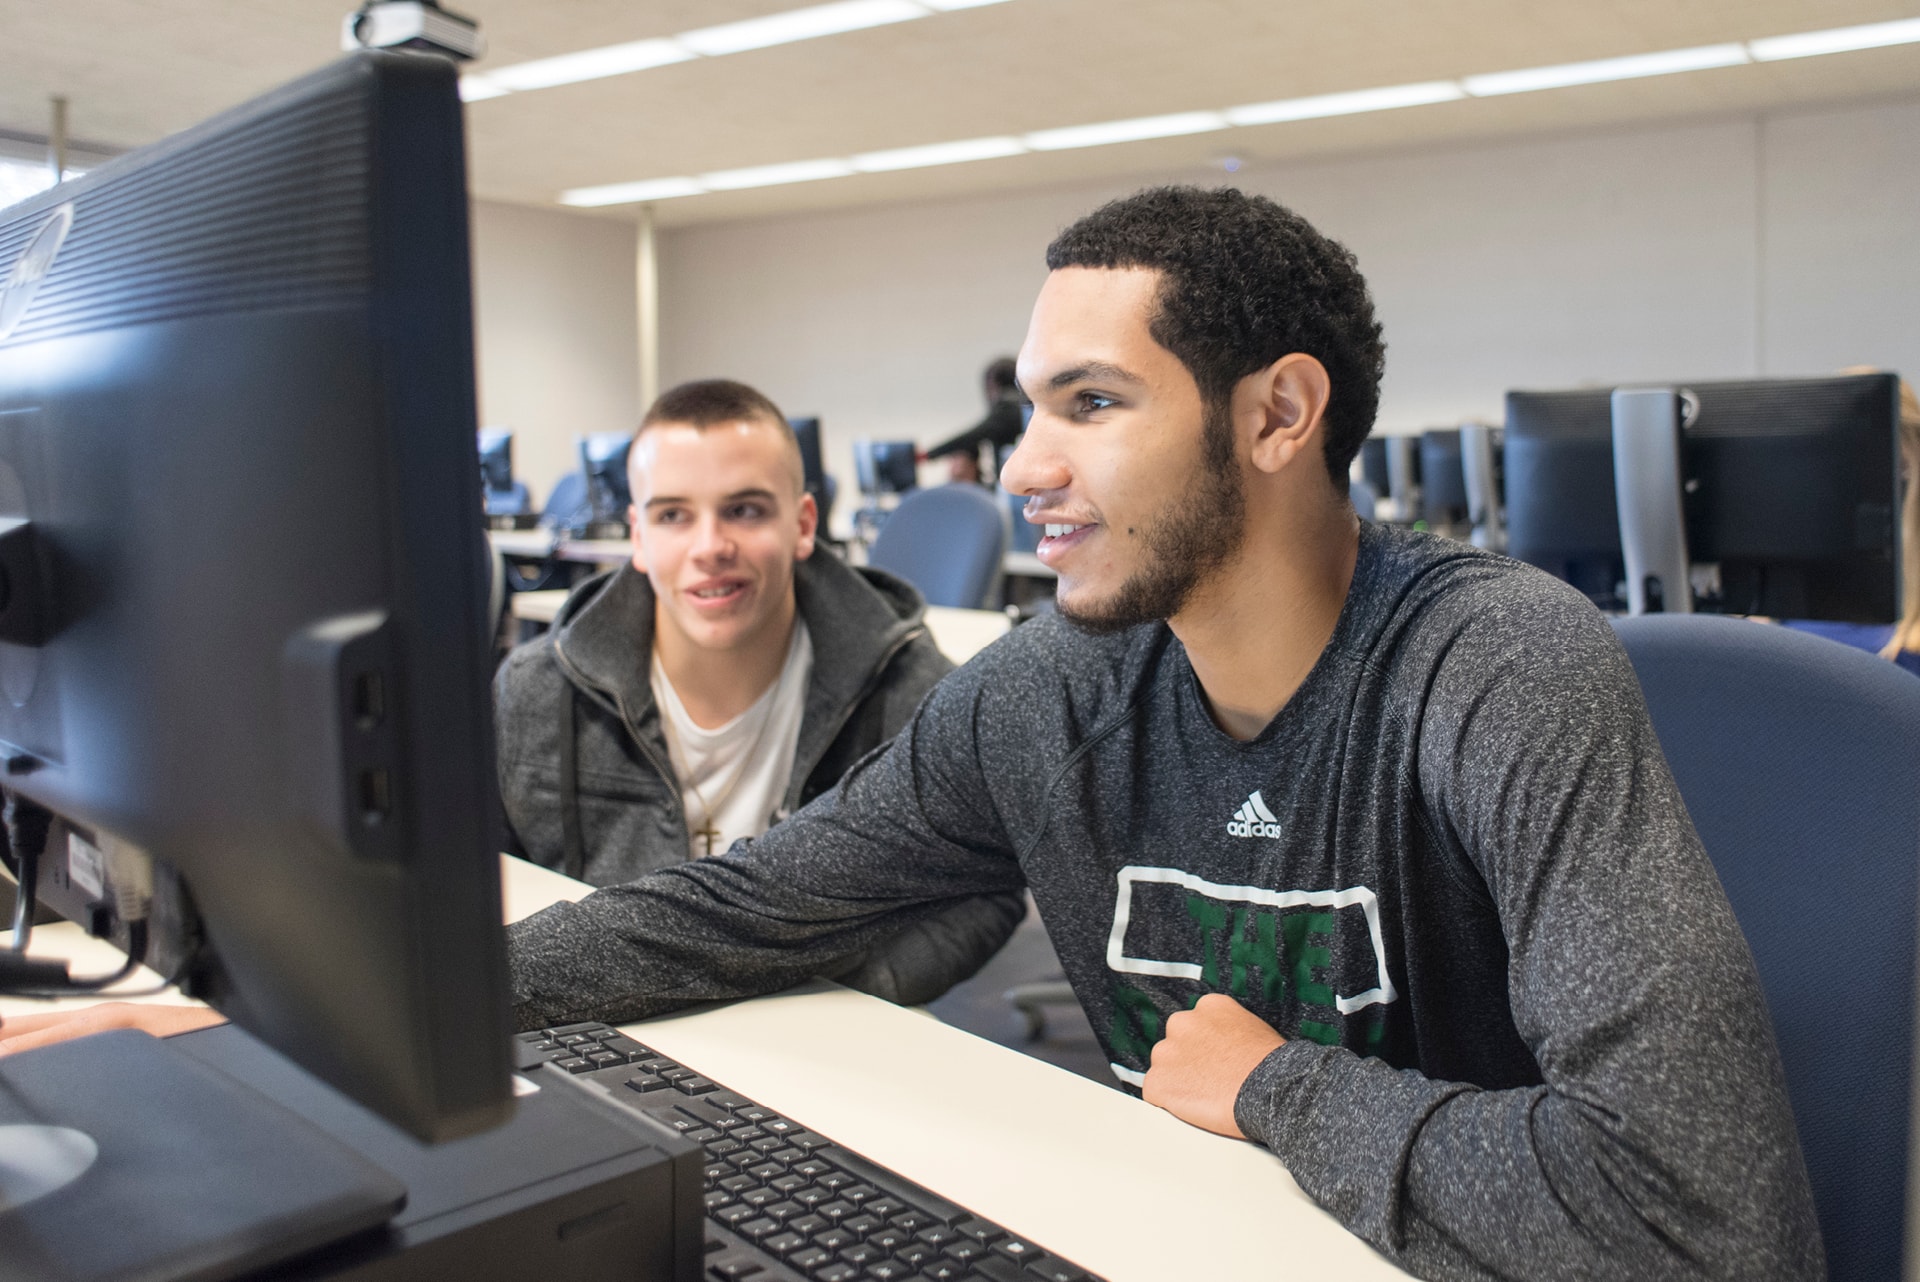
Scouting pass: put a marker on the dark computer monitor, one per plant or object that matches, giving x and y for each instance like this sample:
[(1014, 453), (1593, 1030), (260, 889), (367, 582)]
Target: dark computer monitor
[(245, 641), (1443, 484), (1373, 466), (496, 458), (807, 432), (504, 497), (603, 461), (1561, 514), (886, 467), (1792, 491), (1789, 492)]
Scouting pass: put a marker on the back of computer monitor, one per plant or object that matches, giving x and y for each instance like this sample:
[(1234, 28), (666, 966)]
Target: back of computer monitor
[(603, 461), (1561, 512), (496, 457), (806, 431), (1792, 492), (237, 424), (1443, 485)]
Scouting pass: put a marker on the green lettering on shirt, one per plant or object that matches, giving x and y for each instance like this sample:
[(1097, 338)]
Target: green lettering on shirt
[(1212, 916), (1251, 946), (1304, 958), (1136, 1023)]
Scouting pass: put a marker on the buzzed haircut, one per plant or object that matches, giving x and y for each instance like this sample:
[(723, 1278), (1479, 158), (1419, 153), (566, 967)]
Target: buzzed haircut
[(709, 402), (1245, 281)]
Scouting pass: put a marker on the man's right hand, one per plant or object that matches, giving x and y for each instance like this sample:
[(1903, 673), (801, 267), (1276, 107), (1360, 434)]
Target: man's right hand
[(25, 1032)]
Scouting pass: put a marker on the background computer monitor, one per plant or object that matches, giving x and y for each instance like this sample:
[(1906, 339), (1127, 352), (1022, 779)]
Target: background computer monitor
[(504, 495), (496, 457), (1792, 490), (885, 467), (237, 422), (603, 461), (1561, 514), (1443, 486), (1373, 466), (807, 432), (1789, 490)]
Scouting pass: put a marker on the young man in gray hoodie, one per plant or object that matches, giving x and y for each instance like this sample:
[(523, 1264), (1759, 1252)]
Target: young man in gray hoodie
[(1352, 841), (721, 680)]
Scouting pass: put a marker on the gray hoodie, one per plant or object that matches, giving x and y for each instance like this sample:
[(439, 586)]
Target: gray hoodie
[(588, 675)]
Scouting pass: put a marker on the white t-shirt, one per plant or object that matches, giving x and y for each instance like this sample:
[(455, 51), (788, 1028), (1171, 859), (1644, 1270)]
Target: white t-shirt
[(733, 777)]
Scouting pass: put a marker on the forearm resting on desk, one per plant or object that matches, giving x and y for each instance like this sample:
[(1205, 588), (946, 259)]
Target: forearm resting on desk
[(26, 1032)]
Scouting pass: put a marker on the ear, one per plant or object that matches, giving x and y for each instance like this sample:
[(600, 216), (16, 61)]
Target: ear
[(1283, 406), (809, 525)]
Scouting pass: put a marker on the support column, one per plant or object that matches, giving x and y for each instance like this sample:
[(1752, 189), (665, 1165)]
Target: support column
[(647, 299)]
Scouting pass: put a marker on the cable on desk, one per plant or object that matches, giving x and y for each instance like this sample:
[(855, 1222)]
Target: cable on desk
[(26, 829)]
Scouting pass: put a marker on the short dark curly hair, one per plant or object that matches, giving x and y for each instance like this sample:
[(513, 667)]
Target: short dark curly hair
[(1245, 281)]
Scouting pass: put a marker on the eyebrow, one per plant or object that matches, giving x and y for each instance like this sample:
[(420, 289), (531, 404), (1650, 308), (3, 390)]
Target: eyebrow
[(666, 500), (1094, 372)]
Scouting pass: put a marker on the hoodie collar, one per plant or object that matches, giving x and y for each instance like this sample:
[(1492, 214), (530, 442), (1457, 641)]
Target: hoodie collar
[(858, 618)]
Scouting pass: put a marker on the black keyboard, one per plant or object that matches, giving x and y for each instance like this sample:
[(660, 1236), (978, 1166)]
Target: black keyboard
[(785, 1204)]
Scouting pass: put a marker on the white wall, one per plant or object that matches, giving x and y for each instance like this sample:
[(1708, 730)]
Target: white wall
[(1752, 246), (554, 322)]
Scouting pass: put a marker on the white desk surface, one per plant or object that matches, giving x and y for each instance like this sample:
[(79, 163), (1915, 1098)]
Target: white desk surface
[(541, 543), (960, 634), (1106, 1180)]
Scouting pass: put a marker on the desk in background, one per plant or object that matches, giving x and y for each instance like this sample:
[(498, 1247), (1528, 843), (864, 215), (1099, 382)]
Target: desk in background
[(541, 545), (1110, 1182), (960, 634)]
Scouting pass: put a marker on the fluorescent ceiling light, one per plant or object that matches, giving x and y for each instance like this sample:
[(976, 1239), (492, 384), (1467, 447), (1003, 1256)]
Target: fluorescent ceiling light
[(939, 153), (1840, 40), (476, 87), (631, 193), (1588, 73), (1186, 122), (1346, 104), (590, 64), (800, 24), (799, 171)]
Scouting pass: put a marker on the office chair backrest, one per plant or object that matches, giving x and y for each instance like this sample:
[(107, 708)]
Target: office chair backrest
[(1024, 535), (569, 505), (948, 542), (1799, 761)]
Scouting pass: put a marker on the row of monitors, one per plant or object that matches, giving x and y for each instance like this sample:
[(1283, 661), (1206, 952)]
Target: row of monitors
[(1790, 492), (598, 492)]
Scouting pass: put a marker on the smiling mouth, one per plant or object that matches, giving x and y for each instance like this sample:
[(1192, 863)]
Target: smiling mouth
[(1058, 538), (717, 594)]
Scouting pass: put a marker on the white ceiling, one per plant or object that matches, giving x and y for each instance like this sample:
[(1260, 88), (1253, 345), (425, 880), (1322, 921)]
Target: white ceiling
[(135, 70)]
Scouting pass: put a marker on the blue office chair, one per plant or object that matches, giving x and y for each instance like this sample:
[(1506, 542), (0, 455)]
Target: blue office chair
[(1025, 535), (948, 542), (569, 505), (515, 500), (1799, 760)]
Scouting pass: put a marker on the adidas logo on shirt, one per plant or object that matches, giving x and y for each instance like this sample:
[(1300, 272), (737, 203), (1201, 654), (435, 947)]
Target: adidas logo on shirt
[(1253, 819)]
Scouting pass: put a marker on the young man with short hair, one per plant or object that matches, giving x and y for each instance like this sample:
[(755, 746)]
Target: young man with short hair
[(1353, 841), (723, 679)]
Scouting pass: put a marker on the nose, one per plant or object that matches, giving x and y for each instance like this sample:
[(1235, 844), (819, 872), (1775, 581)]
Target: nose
[(1036, 465), (712, 544)]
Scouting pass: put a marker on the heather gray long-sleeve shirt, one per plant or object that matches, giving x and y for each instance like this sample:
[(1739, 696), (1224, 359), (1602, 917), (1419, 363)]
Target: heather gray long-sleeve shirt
[(1526, 1039)]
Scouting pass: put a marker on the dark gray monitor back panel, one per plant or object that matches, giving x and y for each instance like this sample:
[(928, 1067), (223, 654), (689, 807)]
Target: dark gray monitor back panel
[(239, 414)]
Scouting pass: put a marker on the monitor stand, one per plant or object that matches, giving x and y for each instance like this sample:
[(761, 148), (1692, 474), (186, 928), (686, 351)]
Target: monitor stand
[(121, 1157)]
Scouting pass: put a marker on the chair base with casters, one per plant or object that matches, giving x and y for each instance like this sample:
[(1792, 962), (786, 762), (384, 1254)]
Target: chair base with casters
[(1030, 1002)]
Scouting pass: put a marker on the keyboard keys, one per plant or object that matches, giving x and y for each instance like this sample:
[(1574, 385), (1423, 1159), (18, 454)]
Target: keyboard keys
[(829, 1213)]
